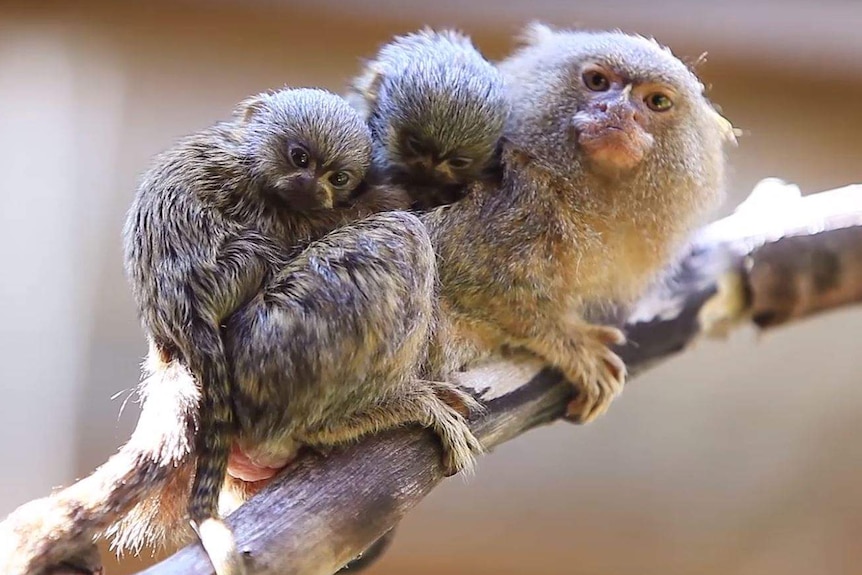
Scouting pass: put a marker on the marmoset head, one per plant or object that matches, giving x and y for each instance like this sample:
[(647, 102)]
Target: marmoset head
[(306, 149), (613, 104), (439, 117)]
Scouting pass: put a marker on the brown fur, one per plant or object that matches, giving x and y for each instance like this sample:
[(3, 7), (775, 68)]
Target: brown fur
[(560, 235)]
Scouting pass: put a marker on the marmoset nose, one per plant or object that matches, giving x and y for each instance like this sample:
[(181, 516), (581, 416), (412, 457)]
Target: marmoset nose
[(622, 110), (427, 162), (443, 169), (306, 183), (324, 197)]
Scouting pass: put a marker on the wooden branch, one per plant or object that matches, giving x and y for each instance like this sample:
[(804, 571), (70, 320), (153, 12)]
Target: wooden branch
[(780, 257)]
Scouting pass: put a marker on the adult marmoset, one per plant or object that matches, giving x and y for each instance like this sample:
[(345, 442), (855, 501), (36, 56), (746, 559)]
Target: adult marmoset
[(266, 332), (611, 156), (436, 108)]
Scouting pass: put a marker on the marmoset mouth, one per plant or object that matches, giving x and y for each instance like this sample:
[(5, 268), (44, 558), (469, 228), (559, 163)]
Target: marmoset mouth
[(300, 200), (614, 147)]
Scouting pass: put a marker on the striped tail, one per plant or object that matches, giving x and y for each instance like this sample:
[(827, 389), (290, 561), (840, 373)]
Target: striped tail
[(213, 439)]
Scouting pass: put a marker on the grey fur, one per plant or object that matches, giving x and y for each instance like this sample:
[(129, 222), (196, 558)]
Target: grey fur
[(436, 87), (291, 343)]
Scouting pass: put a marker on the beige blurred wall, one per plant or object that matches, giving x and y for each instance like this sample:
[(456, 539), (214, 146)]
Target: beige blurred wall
[(739, 457)]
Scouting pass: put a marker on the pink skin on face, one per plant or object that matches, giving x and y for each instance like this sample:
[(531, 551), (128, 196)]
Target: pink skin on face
[(612, 135)]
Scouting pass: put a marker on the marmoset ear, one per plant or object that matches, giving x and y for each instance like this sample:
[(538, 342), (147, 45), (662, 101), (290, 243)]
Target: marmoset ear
[(375, 80), (246, 109), (535, 32), (728, 132)]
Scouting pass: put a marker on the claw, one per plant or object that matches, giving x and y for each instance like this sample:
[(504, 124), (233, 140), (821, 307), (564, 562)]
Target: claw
[(598, 374), (459, 452), (459, 443), (457, 400), (608, 336)]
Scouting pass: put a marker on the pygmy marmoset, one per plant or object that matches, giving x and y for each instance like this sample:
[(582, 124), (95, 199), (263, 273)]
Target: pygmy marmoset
[(436, 108), (611, 156)]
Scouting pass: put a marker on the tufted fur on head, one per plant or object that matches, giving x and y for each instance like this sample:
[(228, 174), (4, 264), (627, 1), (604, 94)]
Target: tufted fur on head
[(681, 175), (432, 94)]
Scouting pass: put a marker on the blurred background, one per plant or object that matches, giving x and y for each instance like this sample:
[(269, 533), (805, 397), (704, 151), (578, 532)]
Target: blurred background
[(740, 457)]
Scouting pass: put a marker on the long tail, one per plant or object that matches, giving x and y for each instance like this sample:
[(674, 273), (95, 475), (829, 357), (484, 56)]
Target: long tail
[(213, 439), (198, 463), (196, 469), (161, 442), (215, 426), (46, 531)]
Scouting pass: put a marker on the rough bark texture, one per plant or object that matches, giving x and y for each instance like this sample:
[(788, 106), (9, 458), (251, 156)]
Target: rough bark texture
[(779, 258)]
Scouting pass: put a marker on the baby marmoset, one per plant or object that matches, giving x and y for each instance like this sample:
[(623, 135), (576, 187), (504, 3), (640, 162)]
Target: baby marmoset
[(611, 156), (259, 344), (436, 109)]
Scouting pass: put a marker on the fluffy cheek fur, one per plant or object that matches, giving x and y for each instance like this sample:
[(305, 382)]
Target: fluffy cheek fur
[(545, 127), (268, 165), (691, 152)]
